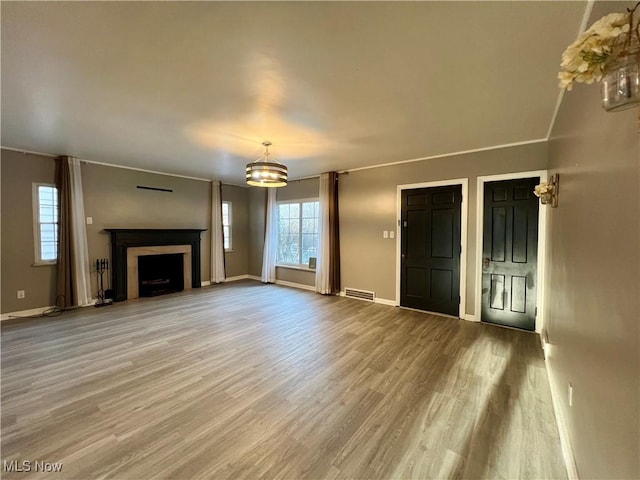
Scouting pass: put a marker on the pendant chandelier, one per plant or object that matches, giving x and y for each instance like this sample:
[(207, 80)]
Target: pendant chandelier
[(266, 173)]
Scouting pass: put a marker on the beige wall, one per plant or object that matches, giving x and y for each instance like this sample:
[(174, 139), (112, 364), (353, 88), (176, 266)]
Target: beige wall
[(368, 207), (594, 277), (301, 277), (299, 190), (113, 201), (236, 261), (18, 172)]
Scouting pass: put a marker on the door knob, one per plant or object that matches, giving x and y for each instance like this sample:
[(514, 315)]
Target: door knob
[(485, 262)]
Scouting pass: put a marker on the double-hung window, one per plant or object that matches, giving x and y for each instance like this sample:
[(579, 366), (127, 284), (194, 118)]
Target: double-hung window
[(226, 224), (45, 216), (297, 232)]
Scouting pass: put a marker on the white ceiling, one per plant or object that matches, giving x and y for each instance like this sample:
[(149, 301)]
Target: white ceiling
[(194, 88)]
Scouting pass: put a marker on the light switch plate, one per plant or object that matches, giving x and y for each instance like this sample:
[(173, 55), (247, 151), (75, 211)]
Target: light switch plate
[(392, 234), (89, 220), (385, 234)]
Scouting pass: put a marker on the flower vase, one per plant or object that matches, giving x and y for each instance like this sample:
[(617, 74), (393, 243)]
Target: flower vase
[(621, 81)]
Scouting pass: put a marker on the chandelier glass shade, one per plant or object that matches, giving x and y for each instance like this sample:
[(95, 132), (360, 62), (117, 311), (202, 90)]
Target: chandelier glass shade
[(266, 173)]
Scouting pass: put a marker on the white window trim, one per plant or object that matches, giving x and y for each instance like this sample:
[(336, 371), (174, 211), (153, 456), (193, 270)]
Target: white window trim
[(35, 202), (296, 266), (303, 268), (230, 249)]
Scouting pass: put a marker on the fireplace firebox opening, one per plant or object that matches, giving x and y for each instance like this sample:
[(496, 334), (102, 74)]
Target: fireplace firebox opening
[(160, 274)]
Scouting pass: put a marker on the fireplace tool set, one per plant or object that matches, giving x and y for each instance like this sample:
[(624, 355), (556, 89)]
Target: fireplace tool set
[(102, 265)]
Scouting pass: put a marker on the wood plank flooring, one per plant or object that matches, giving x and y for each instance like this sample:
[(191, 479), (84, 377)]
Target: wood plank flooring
[(247, 380)]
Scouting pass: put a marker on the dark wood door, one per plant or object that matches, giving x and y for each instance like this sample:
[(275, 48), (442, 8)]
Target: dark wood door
[(430, 249), (510, 253)]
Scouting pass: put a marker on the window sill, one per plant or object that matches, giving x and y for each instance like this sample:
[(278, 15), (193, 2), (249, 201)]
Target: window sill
[(44, 264), (304, 268), (228, 250)]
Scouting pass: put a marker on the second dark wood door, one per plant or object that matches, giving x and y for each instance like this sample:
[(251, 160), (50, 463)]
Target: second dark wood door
[(430, 249), (510, 253)]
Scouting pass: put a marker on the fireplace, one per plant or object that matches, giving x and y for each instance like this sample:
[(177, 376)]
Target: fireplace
[(129, 246), (160, 274)]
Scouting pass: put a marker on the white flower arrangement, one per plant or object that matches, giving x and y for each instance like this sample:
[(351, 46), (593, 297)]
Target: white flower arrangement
[(548, 191), (543, 188), (586, 59)]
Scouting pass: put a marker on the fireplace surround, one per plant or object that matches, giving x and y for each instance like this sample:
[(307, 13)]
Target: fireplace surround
[(128, 244)]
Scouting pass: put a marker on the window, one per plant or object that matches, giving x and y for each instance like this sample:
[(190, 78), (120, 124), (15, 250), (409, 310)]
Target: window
[(45, 215), (226, 224), (297, 231)]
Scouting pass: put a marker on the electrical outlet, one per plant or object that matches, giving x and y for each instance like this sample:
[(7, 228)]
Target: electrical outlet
[(20, 293), (385, 234), (392, 234), (570, 395), (89, 220)]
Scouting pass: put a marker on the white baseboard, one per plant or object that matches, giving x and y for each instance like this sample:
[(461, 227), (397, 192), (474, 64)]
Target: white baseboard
[(544, 342), (206, 283), (236, 278), (33, 312), (563, 432), (393, 303), (296, 285), (254, 277), (385, 301), (24, 313)]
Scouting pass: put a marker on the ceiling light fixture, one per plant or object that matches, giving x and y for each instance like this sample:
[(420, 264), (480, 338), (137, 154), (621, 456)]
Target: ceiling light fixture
[(266, 173)]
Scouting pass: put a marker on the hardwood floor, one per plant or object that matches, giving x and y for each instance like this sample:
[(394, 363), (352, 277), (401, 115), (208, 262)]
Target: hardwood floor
[(247, 380)]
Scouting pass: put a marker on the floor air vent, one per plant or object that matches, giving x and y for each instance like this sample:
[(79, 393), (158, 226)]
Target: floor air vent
[(360, 294)]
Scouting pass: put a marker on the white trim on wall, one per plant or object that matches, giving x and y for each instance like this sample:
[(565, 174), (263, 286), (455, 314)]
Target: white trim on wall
[(464, 183), (206, 283), (236, 278), (37, 312), (563, 431), (105, 164), (301, 286), (542, 241), (583, 25), (451, 154), (384, 301), (25, 314)]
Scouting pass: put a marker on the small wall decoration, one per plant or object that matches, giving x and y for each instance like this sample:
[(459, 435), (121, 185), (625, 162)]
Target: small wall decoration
[(548, 191)]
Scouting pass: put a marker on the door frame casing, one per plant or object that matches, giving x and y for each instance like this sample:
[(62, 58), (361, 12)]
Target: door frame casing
[(542, 242), (464, 214)]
